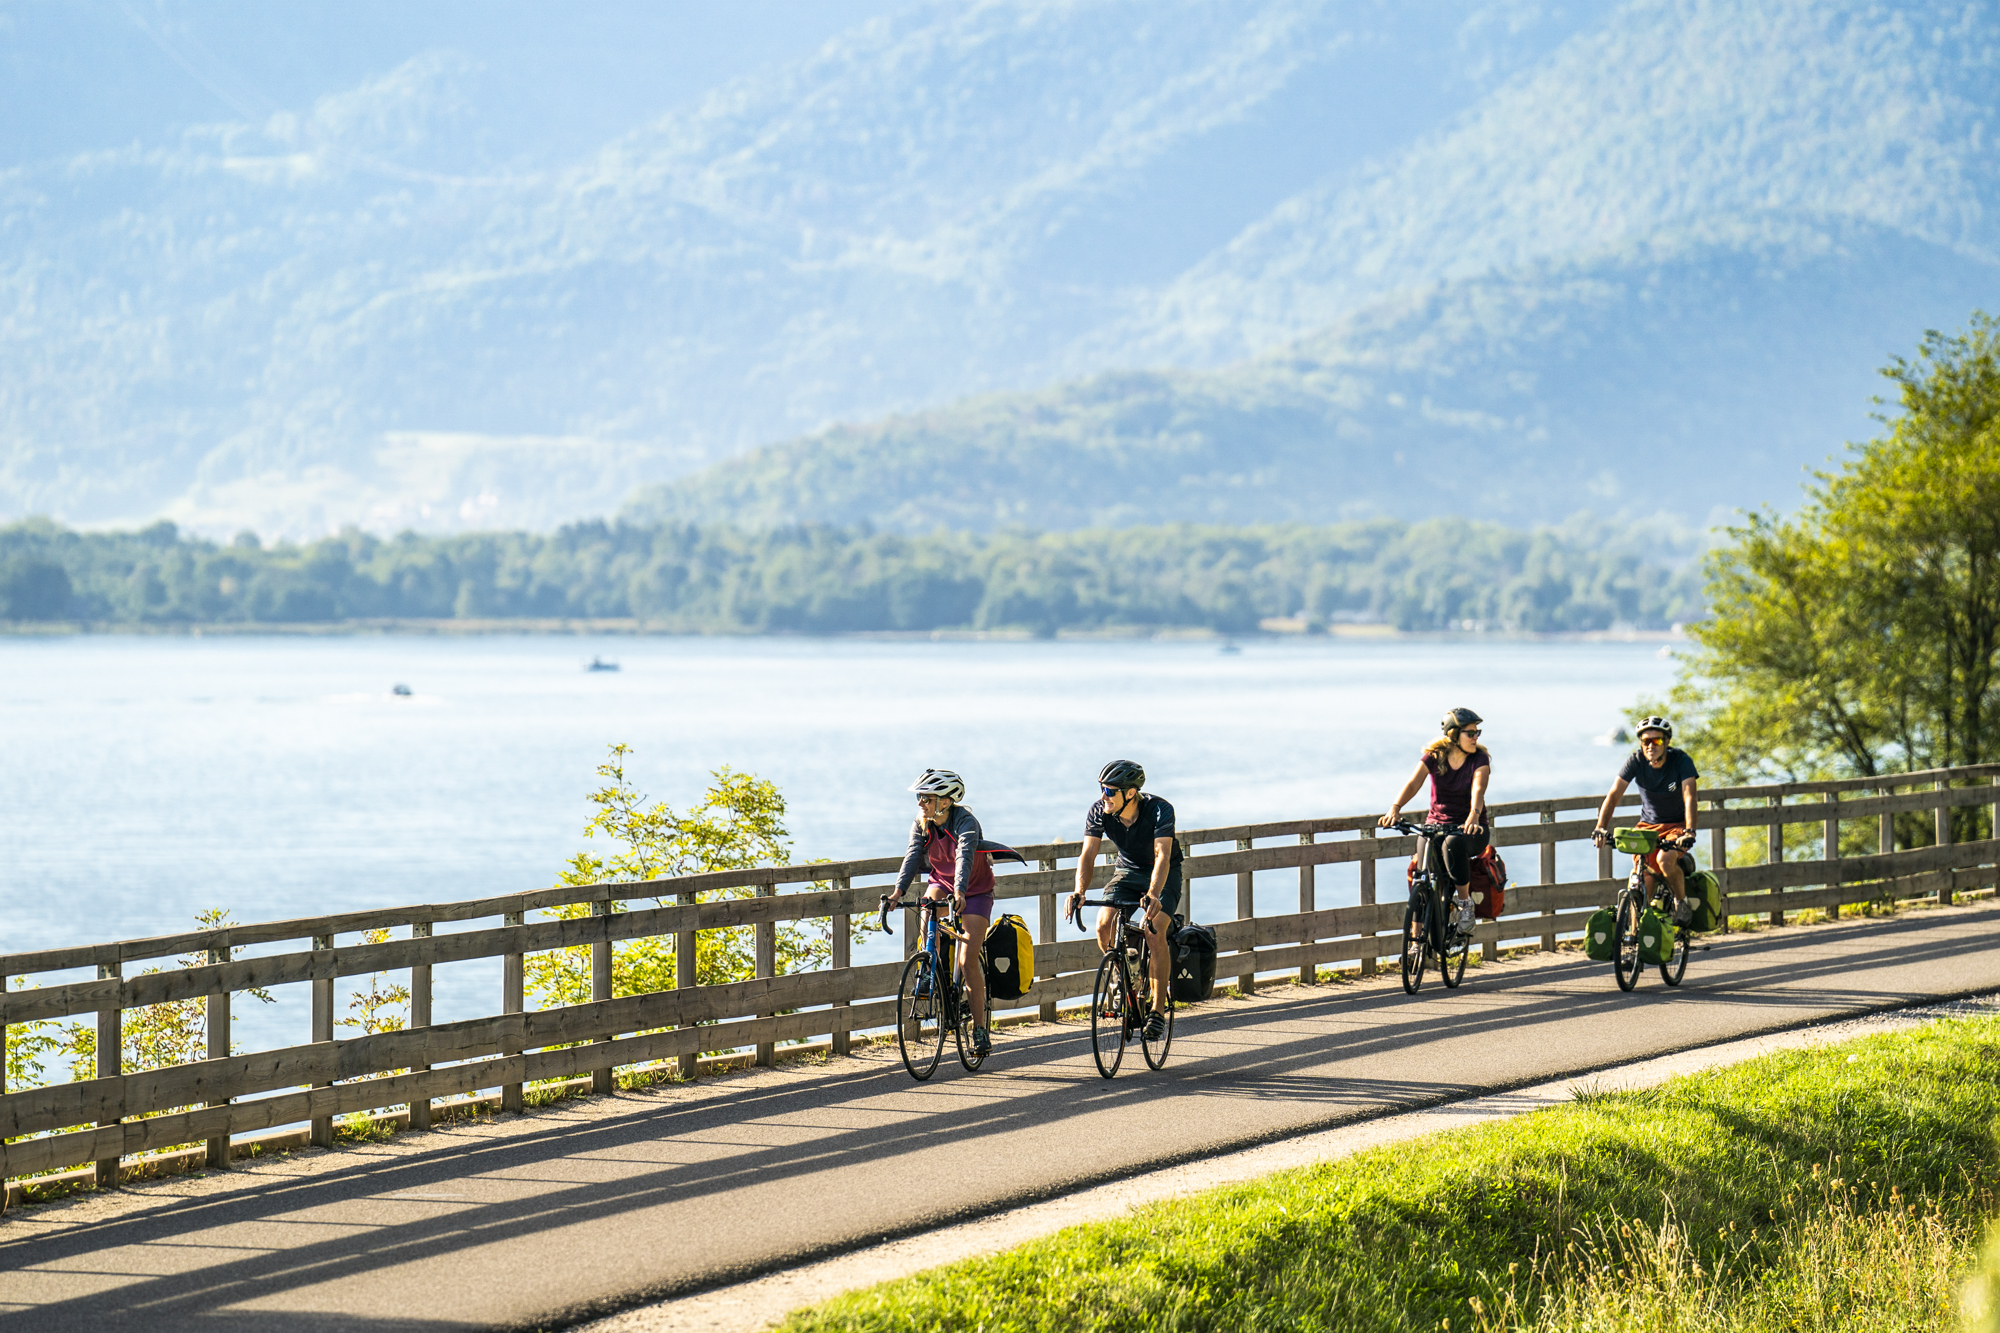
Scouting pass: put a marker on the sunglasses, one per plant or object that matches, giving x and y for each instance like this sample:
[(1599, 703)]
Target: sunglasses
[(1108, 791), (1470, 731)]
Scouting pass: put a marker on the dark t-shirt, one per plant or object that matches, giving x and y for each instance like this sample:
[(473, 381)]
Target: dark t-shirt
[(1451, 790), (1134, 843), (1660, 788)]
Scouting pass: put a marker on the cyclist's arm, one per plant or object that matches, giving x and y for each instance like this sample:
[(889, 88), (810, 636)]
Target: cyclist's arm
[(1473, 822), (1163, 862), (1409, 790), (1610, 806), (1687, 803), (969, 833), (913, 863), (1086, 863)]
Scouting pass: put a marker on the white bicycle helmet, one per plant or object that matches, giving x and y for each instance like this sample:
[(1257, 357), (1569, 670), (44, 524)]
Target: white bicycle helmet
[(940, 782)]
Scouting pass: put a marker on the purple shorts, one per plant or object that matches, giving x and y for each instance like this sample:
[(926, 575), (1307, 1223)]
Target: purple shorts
[(979, 904)]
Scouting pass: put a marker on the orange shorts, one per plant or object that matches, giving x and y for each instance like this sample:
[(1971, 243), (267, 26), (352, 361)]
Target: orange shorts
[(1666, 831)]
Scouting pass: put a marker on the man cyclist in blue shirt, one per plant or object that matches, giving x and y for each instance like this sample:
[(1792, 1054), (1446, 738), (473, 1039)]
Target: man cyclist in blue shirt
[(1141, 827), (1667, 782)]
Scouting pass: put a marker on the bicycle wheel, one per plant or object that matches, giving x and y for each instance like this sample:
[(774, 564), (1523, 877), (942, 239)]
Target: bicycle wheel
[(1676, 965), (962, 1029), (1156, 1051), (1451, 961), (1627, 962), (1109, 1023), (919, 1017), (1414, 952)]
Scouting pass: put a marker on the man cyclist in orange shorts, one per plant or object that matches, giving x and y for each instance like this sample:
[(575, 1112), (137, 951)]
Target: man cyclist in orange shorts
[(1667, 782)]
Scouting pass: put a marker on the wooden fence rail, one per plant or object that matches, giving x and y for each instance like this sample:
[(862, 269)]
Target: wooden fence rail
[(118, 1114)]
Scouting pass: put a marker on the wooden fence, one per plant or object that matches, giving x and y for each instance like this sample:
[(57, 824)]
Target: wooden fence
[(98, 1120)]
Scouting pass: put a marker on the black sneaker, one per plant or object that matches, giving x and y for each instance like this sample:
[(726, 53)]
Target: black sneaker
[(1156, 1026), (1683, 912), (982, 1041)]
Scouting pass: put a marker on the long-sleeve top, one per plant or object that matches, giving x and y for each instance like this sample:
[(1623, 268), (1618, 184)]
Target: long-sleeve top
[(951, 852)]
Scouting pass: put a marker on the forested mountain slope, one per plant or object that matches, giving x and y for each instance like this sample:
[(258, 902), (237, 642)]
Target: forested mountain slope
[(1571, 244)]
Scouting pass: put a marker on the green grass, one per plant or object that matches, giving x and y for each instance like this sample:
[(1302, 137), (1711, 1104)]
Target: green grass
[(1843, 1188)]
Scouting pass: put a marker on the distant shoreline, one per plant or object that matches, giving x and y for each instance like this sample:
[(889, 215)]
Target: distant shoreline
[(579, 627)]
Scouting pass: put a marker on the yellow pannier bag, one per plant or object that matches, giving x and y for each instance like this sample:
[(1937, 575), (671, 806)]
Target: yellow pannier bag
[(1009, 958)]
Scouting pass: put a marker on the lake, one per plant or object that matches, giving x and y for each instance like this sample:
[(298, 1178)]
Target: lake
[(151, 777)]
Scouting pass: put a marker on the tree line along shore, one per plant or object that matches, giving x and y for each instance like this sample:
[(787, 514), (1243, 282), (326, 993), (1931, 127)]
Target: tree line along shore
[(1442, 574)]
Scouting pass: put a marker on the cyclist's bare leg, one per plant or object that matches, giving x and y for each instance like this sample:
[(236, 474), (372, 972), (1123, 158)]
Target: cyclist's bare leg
[(974, 928), (1156, 953), (1670, 870), (1107, 928)]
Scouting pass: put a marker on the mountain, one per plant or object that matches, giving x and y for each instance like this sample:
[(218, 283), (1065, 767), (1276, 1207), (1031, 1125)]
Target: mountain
[(1657, 271), (1257, 248)]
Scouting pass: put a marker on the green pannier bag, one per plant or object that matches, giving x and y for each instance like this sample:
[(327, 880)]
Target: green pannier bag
[(1704, 892), (1656, 938), (1636, 841), (1600, 936)]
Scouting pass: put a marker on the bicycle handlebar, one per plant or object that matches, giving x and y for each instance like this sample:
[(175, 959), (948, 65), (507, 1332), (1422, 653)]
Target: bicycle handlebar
[(886, 928)]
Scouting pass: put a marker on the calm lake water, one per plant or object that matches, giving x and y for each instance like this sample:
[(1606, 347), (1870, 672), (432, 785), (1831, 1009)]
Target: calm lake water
[(148, 778)]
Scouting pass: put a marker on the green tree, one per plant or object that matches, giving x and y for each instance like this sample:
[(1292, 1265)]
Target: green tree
[(1862, 636), (738, 823)]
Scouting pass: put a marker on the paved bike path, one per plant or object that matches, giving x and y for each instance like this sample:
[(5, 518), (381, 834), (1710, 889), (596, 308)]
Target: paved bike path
[(559, 1215)]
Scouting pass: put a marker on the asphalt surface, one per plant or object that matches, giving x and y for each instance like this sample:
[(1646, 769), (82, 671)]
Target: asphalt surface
[(554, 1217)]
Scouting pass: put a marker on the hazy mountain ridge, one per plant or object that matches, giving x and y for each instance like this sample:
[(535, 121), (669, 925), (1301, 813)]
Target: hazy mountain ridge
[(353, 313), (1691, 381), (256, 308), (1680, 123)]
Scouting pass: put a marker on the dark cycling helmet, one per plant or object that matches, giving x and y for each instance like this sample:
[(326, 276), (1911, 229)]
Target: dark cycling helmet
[(1121, 773), (1457, 720), (1656, 723), (940, 782)]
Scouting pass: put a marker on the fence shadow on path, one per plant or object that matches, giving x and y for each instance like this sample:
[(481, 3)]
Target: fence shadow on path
[(1308, 1061)]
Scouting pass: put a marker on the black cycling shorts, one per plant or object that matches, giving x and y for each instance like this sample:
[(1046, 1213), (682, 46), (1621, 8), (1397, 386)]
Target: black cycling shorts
[(1131, 890)]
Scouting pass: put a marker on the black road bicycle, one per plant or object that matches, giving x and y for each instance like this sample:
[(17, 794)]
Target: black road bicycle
[(927, 1005), (1428, 934), (1117, 1009), (1633, 900)]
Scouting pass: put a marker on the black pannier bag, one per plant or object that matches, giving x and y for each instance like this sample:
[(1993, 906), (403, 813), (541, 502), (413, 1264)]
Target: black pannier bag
[(1193, 958)]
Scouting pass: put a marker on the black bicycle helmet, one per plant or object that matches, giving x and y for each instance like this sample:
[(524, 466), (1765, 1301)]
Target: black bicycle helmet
[(1121, 773), (1655, 723), (1457, 720)]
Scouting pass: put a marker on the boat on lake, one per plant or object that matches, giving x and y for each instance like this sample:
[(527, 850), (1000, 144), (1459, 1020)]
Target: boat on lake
[(599, 664)]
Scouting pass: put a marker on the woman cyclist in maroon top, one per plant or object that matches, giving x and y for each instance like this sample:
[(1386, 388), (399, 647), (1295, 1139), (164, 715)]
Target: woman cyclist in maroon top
[(1458, 768), (946, 843)]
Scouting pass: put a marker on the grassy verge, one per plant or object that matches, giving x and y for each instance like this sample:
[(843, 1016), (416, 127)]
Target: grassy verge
[(1843, 1188)]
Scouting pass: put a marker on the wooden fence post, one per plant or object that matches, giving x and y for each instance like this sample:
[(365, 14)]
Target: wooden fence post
[(1308, 970), (513, 1000), (1830, 842), (420, 1017), (687, 974), (1718, 858), (765, 933), (110, 1064), (1547, 850), (1774, 853), (1368, 900), (3, 1067), (1944, 838), (218, 1049), (605, 1079), (1046, 935), (1246, 910), (1604, 870), (322, 1027), (1992, 831), (1886, 837), (843, 944)]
